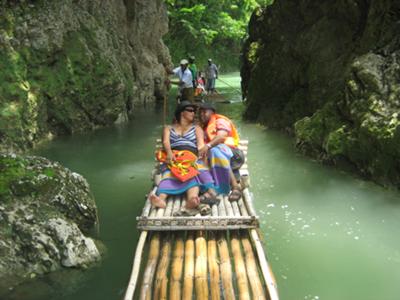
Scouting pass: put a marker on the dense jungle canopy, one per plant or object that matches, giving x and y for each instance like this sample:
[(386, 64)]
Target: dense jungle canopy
[(206, 29)]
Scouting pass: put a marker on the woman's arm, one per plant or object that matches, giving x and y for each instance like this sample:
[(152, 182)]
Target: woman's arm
[(199, 137), (166, 143), (165, 139)]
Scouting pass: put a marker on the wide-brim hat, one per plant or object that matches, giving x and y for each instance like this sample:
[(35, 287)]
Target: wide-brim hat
[(184, 61), (182, 105), (207, 106)]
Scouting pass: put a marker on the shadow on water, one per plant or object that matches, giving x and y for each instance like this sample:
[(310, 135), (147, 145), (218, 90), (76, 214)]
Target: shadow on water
[(328, 235)]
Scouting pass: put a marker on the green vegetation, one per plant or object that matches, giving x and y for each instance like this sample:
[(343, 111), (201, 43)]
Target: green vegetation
[(18, 177), (206, 29)]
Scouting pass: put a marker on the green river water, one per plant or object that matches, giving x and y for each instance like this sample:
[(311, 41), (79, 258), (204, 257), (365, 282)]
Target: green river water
[(328, 235)]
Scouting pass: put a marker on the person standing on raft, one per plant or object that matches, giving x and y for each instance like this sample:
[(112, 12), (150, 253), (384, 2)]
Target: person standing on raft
[(221, 148), (211, 75), (185, 83)]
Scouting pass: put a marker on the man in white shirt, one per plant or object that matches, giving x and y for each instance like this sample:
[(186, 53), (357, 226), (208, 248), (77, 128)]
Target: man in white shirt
[(185, 83)]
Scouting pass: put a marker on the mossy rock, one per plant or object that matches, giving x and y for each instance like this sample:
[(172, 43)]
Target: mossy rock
[(47, 215)]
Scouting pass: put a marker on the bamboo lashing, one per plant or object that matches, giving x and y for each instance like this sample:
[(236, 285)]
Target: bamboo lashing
[(146, 290)]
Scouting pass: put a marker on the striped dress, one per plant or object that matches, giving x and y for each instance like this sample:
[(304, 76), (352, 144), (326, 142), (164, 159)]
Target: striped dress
[(169, 184)]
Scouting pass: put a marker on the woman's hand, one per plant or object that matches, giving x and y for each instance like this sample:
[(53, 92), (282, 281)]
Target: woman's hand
[(170, 157), (203, 152)]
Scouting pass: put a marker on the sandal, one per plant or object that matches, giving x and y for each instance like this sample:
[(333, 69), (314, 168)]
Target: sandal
[(205, 209), (186, 212), (235, 195), (209, 199)]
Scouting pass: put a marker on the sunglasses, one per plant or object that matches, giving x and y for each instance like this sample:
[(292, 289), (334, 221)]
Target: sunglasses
[(190, 109)]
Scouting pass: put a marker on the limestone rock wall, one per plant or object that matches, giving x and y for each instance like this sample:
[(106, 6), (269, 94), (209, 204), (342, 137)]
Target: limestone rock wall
[(329, 72), (69, 66)]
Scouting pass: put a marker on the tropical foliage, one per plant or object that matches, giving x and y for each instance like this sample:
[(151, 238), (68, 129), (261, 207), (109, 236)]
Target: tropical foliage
[(213, 28)]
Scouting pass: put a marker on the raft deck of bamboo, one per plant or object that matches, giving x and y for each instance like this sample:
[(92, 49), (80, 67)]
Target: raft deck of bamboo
[(202, 257)]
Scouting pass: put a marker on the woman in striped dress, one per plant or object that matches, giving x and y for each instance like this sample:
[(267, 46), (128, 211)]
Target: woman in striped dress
[(183, 135)]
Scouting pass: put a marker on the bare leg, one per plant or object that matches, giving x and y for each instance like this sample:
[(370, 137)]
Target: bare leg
[(158, 201), (233, 181), (192, 197), (236, 190)]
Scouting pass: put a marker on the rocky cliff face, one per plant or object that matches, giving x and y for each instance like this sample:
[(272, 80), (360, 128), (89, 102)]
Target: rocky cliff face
[(47, 215), (68, 66), (329, 72)]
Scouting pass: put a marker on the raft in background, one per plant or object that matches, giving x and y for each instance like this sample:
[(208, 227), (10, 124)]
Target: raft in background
[(205, 257)]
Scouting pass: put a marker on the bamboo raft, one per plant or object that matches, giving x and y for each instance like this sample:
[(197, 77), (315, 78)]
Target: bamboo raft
[(202, 257)]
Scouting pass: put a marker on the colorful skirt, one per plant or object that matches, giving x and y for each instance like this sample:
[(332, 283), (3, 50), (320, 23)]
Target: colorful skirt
[(219, 158), (171, 185)]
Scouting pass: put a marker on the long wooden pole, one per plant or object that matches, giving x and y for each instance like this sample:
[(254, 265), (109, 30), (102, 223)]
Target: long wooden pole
[(269, 278), (146, 290), (136, 267), (251, 267), (165, 110)]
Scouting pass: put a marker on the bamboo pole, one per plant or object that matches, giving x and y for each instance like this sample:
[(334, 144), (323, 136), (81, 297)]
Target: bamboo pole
[(189, 267), (236, 210), (225, 268), (130, 291), (177, 205), (177, 268), (213, 266), (248, 201), (146, 292), (201, 266), (221, 206), (161, 280), (242, 207), (252, 270), (269, 278), (240, 269), (168, 209), (228, 207)]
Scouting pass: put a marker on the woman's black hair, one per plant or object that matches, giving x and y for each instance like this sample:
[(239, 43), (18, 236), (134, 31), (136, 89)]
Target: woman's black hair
[(178, 116)]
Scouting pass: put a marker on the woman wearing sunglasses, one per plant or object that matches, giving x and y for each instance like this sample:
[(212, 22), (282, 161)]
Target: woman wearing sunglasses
[(182, 171)]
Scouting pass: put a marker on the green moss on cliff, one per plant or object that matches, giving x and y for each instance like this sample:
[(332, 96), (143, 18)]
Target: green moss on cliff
[(58, 80), (332, 77)]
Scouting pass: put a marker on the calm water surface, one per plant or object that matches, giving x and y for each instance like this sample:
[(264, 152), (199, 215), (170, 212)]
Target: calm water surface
[(328, 235)]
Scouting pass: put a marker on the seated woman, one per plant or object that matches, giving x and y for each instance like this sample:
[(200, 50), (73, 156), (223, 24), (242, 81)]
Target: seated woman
[(183, 136)]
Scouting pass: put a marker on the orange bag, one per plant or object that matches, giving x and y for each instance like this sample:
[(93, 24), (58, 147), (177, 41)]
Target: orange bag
[(184, 167)]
